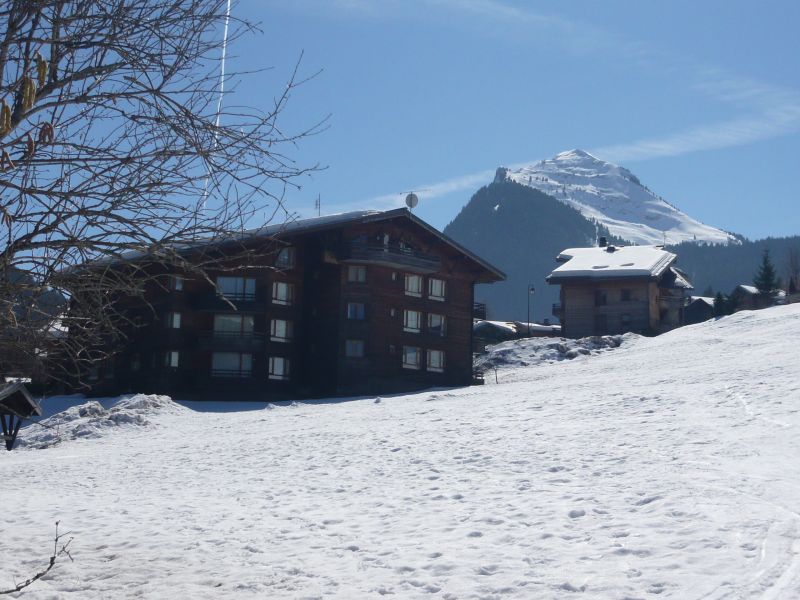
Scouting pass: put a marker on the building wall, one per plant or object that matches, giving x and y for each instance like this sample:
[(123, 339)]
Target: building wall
[(583, 316), (319, 366)]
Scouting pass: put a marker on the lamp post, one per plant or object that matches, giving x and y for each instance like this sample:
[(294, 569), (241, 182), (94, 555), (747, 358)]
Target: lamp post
[(531, 291)]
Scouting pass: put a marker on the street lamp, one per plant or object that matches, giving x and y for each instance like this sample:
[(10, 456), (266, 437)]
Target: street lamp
[(531, 291)]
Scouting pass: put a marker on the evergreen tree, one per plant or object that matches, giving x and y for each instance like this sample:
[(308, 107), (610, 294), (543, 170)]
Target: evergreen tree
[(765, 279), (720, 305)]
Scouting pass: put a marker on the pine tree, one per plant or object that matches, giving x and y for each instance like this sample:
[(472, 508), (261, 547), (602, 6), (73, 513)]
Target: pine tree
[(765, 277), (720, 305)]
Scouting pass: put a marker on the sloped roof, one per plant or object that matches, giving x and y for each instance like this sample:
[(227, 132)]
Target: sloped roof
[(300, 226), (365, 216), (612, 262), (703, 299)]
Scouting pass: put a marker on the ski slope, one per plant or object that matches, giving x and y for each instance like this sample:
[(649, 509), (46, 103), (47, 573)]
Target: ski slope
[(613, 196), (664, 468)]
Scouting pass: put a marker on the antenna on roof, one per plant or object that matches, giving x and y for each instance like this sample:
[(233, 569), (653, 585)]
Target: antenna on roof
[(412, 200), (318, 205)]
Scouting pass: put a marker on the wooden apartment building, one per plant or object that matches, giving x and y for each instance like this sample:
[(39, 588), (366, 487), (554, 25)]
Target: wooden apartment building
[(362, 302), (612, 289)]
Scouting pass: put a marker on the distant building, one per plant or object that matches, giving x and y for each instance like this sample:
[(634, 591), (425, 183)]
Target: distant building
[(747, 297), (362, 302), (612, 289), (698, 309)]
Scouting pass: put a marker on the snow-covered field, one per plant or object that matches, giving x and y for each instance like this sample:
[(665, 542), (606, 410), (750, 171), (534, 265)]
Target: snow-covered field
[(665, 468)]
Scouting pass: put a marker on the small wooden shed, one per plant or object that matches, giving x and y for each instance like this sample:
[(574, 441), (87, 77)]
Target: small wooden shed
[(16, 405)]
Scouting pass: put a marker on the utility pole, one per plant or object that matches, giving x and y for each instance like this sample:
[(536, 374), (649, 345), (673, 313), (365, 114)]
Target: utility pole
[(531, 291)]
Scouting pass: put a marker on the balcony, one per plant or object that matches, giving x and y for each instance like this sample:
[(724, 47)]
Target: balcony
[(391, 255), (231, 340), (216, 302)]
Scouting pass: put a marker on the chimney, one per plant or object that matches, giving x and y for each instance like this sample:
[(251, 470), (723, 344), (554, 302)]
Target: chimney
[(603, 242)]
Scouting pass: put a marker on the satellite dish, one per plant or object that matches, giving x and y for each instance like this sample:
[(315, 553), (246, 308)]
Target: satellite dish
[(412, 200)]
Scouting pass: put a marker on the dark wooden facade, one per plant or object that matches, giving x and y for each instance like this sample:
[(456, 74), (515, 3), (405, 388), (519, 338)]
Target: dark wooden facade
[(328, 312)]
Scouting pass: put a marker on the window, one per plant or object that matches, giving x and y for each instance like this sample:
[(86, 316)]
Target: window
[(237, 288), (174, 320), (436, 289), (231, 364), (285, 258), (233, 325), (436, 324), (176, 283), (356, 311), (171, 359), (282, 293), (625, 295), (414, 285), (600, 298), (356, 274), (280, 330), (354, 348), (411, 357), (436, 361), (412, 319), (278, 367)]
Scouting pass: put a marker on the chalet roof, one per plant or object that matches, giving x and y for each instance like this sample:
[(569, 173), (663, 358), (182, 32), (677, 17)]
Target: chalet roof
[(300, 226), (334, 221), (613, 262), (15, 400), (703, 299)]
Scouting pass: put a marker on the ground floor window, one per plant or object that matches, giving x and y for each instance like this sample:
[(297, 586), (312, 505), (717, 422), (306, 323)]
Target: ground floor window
[(231, 364), (436, 360), (411, 357), (278, 367)]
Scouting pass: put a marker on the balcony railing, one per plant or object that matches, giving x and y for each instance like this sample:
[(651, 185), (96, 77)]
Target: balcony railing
[(215, 301), (392, 255), (231, 340), (232, 373)]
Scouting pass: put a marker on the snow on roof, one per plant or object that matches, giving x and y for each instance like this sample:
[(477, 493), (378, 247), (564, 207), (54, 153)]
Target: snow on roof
[(750, 289), (706, 299), (612, 262)]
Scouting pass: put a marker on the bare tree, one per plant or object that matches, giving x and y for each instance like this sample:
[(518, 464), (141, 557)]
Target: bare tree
[(112, 142), (57, 553)]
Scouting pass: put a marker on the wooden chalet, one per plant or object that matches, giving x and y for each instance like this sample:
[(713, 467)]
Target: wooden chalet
[(612, 289), (358, 303)]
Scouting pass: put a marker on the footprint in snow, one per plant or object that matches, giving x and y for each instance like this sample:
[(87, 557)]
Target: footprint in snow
[(576, 513)]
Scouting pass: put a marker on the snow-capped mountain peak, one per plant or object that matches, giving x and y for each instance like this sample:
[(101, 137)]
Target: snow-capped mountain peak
[(614, 197)]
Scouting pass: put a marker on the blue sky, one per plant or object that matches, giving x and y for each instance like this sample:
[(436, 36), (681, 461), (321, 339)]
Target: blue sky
[(701, 100)]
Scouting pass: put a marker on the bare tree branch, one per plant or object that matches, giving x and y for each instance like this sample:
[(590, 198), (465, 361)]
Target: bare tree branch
[(111, 145)]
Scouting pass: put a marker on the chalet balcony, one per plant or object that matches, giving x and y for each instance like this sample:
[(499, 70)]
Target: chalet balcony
[(216, 302), (231, 340), (392, 255)]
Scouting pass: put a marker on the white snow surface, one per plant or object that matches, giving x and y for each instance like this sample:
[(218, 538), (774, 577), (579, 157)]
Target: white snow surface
[(93, 419), (611, 195), (665, 468)]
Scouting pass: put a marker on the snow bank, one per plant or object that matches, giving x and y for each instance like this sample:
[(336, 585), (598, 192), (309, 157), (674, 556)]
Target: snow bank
[(533, 351), (93, 420)]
